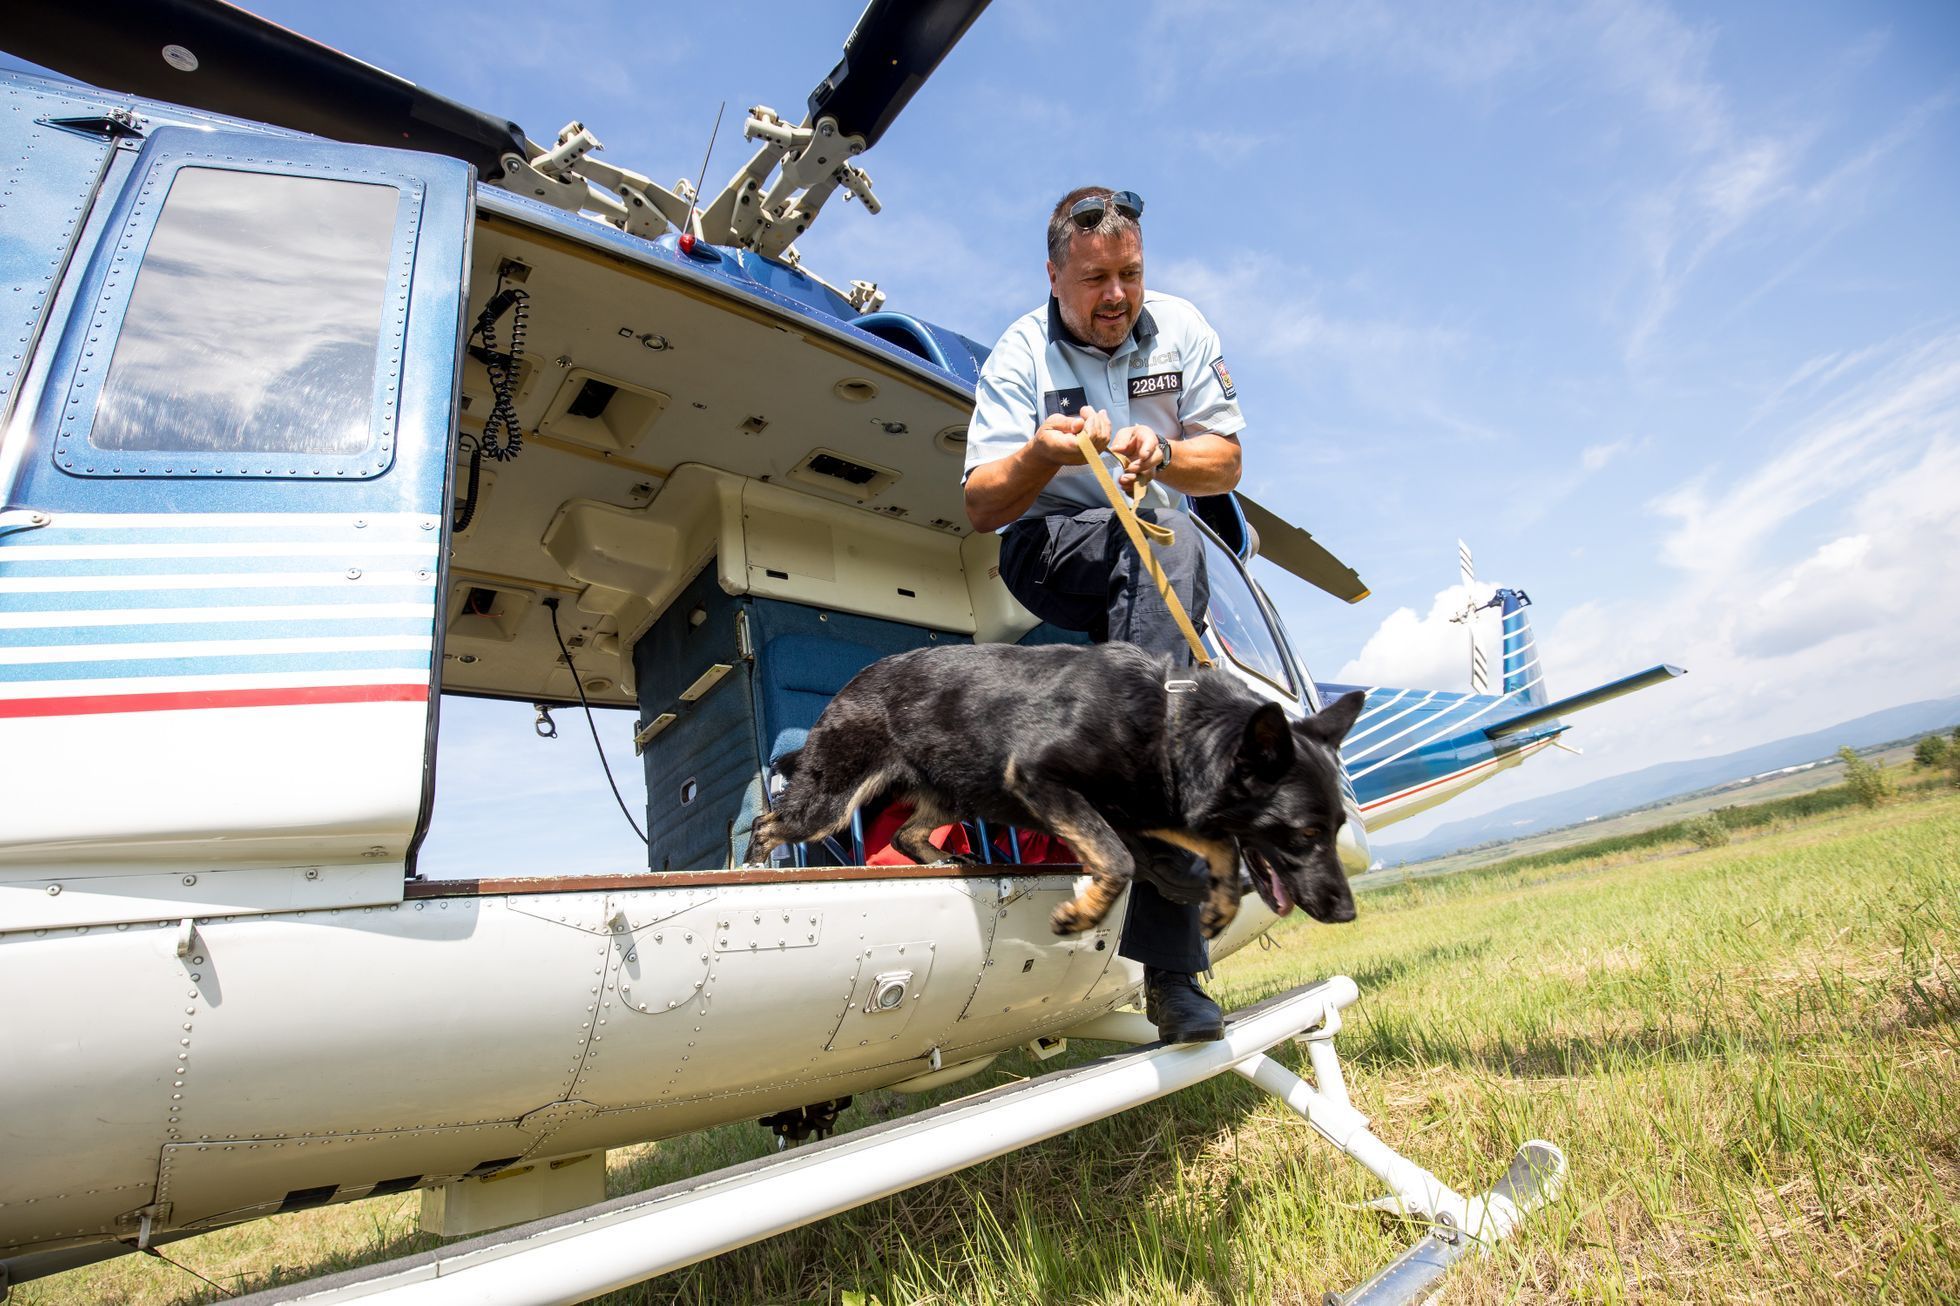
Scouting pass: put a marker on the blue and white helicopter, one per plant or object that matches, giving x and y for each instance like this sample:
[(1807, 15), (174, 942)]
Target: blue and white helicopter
[(323, 397)]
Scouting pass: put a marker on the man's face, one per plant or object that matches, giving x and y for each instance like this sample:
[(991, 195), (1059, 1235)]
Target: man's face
[(1100, 288)]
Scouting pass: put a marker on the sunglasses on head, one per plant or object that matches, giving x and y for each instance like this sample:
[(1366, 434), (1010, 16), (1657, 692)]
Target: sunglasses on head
[(1087, 212)]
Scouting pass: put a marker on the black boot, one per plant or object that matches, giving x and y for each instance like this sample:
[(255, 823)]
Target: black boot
[(1179, 1009)]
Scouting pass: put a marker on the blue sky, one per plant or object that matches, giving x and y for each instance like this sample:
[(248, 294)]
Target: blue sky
[(1658, 308)]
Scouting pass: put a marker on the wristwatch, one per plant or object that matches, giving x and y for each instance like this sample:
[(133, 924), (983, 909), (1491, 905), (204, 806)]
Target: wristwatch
[(1164, 447)]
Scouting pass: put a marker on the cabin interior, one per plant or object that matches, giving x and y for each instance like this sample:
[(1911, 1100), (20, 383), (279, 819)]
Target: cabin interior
[(727, 545)]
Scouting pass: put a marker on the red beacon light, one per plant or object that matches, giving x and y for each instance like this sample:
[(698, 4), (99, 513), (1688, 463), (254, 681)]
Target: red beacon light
[(697, 249)]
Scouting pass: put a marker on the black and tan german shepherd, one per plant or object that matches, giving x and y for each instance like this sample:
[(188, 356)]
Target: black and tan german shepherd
[(1101, 746)]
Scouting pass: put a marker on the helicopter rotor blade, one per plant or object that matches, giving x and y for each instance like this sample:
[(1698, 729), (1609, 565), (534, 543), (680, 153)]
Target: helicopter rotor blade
[(1291, 549), (216, 57), (895, 46)]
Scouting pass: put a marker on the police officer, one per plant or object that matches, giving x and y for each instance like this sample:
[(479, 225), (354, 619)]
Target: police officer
[(1141, 373)]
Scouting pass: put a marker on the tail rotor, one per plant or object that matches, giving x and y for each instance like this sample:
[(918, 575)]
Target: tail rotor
[(1467, 569)]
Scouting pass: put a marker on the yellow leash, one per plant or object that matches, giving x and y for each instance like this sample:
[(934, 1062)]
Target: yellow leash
[(1143, 535)]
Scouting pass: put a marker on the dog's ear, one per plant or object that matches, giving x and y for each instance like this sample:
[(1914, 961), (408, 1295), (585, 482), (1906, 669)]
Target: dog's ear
[(1331, 724), (1266, 749)]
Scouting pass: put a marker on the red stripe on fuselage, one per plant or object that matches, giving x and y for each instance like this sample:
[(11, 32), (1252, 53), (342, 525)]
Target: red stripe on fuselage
[(193, 699)]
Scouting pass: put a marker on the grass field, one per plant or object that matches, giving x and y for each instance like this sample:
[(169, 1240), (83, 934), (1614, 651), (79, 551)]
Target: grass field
[(1761, 792), (1748, 1054)]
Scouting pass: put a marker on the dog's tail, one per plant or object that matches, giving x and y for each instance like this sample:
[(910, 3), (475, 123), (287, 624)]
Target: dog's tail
[(785, 766)]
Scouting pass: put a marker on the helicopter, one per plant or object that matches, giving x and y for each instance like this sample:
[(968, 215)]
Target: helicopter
[(329, 398)]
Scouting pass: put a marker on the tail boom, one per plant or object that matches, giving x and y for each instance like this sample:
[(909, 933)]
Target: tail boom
[(1577, 702)]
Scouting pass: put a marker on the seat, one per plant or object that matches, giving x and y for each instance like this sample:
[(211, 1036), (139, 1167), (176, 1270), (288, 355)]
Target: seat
[(708, 770), (803, 656)]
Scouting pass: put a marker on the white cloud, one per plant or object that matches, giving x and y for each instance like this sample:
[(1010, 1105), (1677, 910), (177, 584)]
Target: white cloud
[(1889, 577), (1849, 181), (1742, 181), (1645, 52), (1597, 456), (1679, 226), (1646, 67), (1431, 651), (1776, 649), (1267, 308), (1780, 636), (1551, 487), (1863, 435), (1837, 556), (1810, 377)]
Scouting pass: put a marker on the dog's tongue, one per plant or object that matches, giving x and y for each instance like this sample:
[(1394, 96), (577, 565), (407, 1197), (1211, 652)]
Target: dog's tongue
[(1283, 901)]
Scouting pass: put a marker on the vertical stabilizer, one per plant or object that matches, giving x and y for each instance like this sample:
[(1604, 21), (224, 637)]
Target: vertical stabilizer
[(1522, 674)]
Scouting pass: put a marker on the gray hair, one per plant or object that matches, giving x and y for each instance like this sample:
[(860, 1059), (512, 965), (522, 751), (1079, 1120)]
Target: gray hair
[(1061, 231)]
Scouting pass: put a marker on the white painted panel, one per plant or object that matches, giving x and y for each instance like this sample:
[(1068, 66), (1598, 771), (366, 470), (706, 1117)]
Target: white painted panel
[(449, 1011), (876, 566), (323, 783), (106, 1023), (107, 895), (765, 1015), (900, 974), (1031, 972)]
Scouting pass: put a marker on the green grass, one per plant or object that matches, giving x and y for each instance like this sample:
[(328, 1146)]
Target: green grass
[(1674, 835), (1748, 1053), (1757, 795)]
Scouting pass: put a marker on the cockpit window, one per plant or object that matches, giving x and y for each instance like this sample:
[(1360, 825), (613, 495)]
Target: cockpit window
[(261, 337), (1238, 622)]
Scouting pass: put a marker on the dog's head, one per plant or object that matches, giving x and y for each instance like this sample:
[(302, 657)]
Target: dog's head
[(1286, 808)]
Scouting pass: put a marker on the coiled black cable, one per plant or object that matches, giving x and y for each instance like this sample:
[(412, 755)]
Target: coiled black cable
[(466, 513), (502, 440)]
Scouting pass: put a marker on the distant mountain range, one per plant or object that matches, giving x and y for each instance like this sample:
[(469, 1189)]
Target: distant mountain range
[(1665, 780)]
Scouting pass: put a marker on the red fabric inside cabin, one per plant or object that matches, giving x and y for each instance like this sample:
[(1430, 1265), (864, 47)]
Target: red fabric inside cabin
[(1037, 849)]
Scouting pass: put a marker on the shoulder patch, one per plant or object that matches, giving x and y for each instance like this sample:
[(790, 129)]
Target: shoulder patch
[(1224, 377)]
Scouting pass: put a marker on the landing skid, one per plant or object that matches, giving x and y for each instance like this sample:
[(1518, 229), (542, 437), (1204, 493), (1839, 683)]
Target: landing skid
[(1457, 1224), (579, 1254)]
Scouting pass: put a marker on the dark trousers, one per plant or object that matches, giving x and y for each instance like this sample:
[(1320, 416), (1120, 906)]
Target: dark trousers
[(1082, 573)]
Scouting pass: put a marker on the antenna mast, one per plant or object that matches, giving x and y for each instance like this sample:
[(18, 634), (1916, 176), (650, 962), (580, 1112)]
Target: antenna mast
[(694, 200)]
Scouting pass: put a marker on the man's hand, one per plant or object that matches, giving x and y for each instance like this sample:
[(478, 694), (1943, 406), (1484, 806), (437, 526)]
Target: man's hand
[(1141, 450), (998, 492), (1054, 439)]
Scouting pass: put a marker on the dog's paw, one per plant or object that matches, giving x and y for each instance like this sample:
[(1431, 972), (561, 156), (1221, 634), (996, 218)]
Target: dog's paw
[(1216, 915), (1071, 918)]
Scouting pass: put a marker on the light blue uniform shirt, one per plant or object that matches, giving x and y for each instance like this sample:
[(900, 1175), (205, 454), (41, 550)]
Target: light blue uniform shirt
[(1166, 375)]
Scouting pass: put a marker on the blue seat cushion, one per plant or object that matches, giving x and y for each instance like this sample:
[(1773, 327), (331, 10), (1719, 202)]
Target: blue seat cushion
[(805, 655), (800, 675), (1049, 633)]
